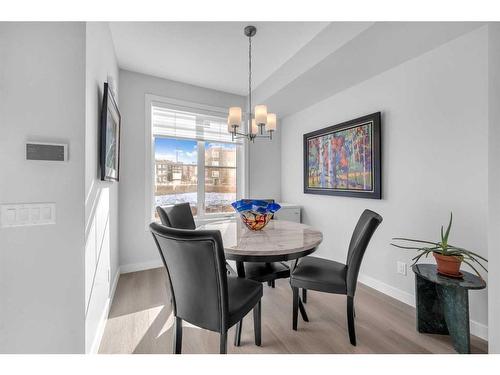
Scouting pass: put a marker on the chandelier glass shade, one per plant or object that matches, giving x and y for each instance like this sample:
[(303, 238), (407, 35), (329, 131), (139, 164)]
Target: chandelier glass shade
[(260, 123)]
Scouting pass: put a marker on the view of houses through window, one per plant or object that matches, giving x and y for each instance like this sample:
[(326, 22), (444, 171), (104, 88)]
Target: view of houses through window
[(177, 168), (220, 177)]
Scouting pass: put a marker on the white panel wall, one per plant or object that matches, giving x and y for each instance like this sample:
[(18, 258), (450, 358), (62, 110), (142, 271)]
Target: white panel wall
[(97, 273), (434, 138), (101, 198), (42, 97)]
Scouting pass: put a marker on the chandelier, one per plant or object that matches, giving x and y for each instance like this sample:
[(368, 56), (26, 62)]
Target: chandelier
[(259, 124)]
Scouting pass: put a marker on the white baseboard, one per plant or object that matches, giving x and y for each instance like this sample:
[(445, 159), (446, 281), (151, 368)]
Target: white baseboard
[(477, 329), (115, 283), (134, 267), (94, 349), (387, 289)]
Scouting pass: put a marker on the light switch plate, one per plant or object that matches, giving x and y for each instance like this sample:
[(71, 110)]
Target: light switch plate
[(26, 214), (401, 268), (10, 216), (35, 213)]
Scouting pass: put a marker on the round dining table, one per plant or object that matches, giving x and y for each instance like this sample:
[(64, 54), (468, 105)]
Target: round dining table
[(279, 241)]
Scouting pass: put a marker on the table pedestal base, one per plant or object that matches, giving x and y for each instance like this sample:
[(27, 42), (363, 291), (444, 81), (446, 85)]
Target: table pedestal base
[(443, 310)]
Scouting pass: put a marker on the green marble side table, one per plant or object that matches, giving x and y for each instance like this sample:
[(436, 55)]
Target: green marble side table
[(443, 304)]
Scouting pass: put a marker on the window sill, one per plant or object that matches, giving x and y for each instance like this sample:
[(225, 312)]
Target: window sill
[(211, 219), (202, 221)]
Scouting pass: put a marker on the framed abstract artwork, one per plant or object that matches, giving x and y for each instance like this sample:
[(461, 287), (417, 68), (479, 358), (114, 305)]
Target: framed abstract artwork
[(110, 137), (345, 159)]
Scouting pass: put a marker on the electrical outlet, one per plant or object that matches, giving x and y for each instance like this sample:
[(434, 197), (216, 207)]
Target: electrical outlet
[(401, 268)]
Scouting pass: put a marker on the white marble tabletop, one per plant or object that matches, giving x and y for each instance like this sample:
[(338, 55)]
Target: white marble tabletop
[(279, 238)]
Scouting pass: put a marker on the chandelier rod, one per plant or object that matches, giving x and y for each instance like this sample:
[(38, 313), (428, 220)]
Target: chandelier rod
[(249, 31), (250, 84)]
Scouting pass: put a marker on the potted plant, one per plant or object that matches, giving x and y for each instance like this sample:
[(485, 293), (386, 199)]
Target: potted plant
[(448, 257)]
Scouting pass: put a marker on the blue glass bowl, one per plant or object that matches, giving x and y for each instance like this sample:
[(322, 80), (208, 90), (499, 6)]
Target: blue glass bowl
[(255, 214)]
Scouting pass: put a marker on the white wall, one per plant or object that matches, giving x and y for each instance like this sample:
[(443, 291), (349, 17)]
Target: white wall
[(101, 198), (42, 97), (137, 249), (434, 138), (494, 189), (264, 167)]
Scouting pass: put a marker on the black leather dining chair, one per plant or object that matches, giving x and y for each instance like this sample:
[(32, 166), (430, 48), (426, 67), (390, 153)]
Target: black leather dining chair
[(333, 277), (202, 293), (180, 216), (177, 216)]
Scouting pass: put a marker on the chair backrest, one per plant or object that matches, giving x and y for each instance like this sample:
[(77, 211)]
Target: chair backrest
[(367, 223), (196, 269), (177, 216)]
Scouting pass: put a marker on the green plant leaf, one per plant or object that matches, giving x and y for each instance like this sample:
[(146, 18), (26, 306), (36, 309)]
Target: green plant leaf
[(471, 266), (466, 255), (447, 234), (406, 247), (413, 248), (468, 251), (475, 261), (413, 240), (416, 258)]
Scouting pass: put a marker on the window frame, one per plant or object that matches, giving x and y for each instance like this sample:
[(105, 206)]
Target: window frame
[(241, 161)]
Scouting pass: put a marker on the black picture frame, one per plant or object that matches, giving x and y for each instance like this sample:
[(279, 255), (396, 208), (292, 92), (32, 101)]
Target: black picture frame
[(375, 192), (109, 159)]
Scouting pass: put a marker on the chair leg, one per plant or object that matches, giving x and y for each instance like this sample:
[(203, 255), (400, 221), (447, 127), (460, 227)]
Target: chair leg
[(302, 310), (269, 283), (237, 333), (223, 343), (256, 323), (304, 295), (295, 313), (177, 343), (350, 320), (273, 284)]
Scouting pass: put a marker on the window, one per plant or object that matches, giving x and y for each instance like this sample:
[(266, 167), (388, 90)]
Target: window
[(193, 159), (220, 177), (176, 164)]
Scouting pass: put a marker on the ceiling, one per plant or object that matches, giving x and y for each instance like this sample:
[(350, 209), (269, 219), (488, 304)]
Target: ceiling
[(354, 53), (209, 54)]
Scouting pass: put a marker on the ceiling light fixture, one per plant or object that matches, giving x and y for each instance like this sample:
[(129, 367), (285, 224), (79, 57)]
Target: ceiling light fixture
[(259, 120)]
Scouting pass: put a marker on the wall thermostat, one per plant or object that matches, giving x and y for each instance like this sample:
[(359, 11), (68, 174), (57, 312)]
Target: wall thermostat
[(46, 151)]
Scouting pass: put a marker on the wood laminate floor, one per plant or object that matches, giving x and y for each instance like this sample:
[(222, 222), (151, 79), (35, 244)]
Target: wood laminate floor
[(140, 321)]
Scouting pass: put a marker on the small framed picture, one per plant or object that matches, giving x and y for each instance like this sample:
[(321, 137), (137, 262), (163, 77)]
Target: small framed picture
[(110, 137)]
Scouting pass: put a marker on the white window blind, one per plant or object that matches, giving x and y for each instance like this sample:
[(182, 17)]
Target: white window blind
[(189, 123)]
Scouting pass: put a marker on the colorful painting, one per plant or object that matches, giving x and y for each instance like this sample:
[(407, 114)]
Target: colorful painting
[(344, 159)]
